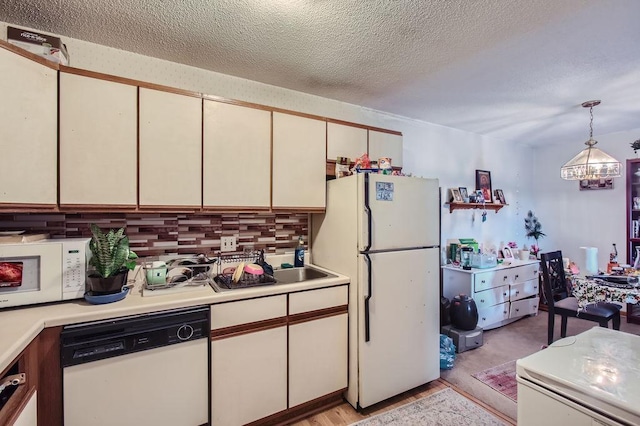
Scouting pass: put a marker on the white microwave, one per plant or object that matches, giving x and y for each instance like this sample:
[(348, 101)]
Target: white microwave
[(43, 271)]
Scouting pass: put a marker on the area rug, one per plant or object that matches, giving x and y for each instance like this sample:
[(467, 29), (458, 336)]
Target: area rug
[(501, 378), (444, 408)]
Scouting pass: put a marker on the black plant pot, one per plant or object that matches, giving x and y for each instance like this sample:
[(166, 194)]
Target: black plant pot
[(110, 285)]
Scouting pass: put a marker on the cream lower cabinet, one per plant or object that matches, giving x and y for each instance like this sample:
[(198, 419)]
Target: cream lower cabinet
[(502, 294), (266, 362), (29, 414), (317, 343), (28, 131), (170, 166), (237, 156), (248, 360), (98, 142), (299, 162)]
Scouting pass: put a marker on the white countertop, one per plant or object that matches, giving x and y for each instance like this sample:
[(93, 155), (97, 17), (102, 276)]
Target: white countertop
[(21, 325)]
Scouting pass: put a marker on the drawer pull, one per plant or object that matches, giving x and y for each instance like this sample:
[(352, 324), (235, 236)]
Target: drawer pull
[(517, 276), (517, 292), (517, 310), (481, 300), (504, 278), (483, 281), (504, 294)]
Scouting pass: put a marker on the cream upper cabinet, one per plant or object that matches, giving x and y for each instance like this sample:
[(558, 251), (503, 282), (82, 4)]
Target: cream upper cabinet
[(383, 144), (345, 141), (28, 131), (237, 156), (299, 162), (98, 142), (170, 149)]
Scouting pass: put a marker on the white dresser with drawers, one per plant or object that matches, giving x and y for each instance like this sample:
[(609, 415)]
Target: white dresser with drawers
[(502, 294)]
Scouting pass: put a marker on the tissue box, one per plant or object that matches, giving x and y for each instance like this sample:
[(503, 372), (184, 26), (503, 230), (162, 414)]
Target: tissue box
[(49, 47)]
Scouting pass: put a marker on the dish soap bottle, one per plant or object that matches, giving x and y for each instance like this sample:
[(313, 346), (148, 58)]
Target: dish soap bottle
[(298, 257)]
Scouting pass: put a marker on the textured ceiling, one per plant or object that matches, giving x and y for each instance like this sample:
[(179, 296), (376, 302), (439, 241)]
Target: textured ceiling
[(514, 70)]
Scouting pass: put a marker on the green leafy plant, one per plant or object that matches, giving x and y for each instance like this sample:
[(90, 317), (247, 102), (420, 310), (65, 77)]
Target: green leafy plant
[(533, 227), (111, 253)]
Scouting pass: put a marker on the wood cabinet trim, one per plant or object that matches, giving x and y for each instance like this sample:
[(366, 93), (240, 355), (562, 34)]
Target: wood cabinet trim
[(363, 126), (50, 378), (16, 403), (301, 411), (29, 55), (252, 327), (215, 98), (317, 314), (128, 81)]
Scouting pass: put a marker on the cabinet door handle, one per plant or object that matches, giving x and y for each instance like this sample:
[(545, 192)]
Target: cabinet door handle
[(504, 294), (517, 292), (504, 278), (517, 310), (517, 276), (481, 300)]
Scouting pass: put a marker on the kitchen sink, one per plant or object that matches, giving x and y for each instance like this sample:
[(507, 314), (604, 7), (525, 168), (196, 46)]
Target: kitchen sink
[(296, 275), (280, 277)]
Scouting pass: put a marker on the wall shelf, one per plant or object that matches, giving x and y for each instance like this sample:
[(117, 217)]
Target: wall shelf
[(463, 206)]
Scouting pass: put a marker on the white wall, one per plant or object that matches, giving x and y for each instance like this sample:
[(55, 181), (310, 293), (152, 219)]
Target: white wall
[(429, 150), (572, 218)]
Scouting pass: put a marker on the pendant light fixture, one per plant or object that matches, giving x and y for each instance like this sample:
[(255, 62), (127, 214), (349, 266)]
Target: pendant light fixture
[(591, 163)]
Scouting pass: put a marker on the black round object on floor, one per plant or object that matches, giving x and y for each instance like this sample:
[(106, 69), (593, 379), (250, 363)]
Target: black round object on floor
[(464, 312)]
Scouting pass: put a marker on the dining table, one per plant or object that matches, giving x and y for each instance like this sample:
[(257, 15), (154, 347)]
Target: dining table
[(591, 290)]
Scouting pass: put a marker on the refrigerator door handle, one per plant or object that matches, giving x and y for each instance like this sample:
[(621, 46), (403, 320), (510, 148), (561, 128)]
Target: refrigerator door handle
[(367, 332), (367, 209)]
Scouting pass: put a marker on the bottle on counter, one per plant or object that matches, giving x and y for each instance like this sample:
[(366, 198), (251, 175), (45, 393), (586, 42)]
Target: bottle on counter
[(613, 259), (298, 257)]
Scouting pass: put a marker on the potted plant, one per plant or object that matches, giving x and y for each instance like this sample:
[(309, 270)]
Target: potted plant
[(112, 259), (636, 146), (534, 228)]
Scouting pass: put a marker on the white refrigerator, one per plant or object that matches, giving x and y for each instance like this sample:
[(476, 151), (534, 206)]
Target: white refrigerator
[(589, 379), (383, 232)]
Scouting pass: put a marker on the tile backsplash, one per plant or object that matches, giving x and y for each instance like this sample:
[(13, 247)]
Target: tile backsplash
[(153, 234)]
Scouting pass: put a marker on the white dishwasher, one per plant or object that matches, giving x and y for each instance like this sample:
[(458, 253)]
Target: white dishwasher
[(149, 369)]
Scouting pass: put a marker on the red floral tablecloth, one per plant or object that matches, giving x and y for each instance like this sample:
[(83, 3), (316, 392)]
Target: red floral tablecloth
[(590, 291)]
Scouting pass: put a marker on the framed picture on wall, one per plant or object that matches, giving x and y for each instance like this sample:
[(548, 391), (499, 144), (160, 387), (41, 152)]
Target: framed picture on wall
[(500, 196), (483, 183), (464, 194), (455, 195)]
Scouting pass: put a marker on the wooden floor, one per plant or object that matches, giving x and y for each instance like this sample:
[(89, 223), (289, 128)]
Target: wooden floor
[(345, 414)]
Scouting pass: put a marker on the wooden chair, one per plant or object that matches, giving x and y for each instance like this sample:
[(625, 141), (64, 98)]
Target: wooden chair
[(560, 301)]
